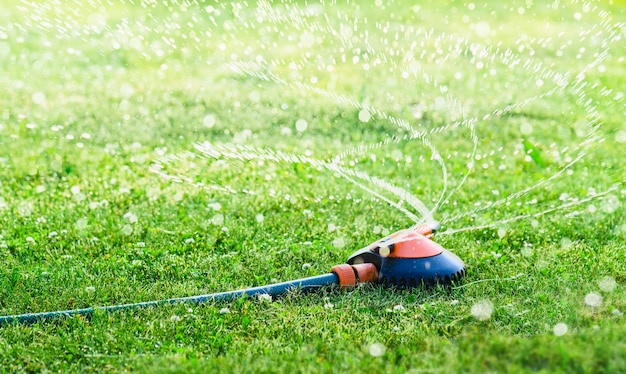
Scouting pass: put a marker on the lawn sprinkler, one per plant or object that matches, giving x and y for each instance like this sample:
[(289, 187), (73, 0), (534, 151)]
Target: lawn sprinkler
[(410, 258), (406, 259)]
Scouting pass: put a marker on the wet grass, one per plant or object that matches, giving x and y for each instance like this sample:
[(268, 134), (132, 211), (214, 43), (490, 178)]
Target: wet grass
[(84, 222)]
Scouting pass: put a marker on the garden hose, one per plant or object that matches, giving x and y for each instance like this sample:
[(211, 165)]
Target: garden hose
[(407, 258)]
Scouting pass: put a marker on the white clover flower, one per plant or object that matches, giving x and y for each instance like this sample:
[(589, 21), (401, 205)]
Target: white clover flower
[(399, 308)]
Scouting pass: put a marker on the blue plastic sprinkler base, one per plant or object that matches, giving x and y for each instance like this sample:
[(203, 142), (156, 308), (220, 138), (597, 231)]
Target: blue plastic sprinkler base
[(444, 269)]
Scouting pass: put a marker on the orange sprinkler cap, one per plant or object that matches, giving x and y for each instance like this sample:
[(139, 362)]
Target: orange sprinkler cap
[(415, 245), (366, 272), (346, 275)]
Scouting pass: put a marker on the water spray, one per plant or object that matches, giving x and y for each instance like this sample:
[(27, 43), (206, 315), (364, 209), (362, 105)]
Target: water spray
[(406, 259)]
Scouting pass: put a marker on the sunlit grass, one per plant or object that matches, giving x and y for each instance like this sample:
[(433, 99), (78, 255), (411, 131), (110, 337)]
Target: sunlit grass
[(90, 105)]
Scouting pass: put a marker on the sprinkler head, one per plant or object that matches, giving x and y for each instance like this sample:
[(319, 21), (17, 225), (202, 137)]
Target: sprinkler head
[(410, 258)]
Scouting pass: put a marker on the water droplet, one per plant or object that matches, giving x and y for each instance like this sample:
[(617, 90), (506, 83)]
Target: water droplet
[(41, 188), (396, 154), (127, 230), (482, 310), (209, 120), (566, 243), (527, 250), (301, 125), (384, 251), (526, 128), (25, 208), (215, 206), (482, 29), (501, 233), (81, 224), (39, 98), (560, 329), (610, 204), (417, 111), (364, 115), (217, 220), (593, 299), (339, 243), (254, 96), (377, 349), (131, 217), (126, 90), (307, 40), (607, 284)]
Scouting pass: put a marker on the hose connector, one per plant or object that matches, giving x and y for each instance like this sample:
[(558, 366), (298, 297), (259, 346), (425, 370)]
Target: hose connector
[(350, 275)]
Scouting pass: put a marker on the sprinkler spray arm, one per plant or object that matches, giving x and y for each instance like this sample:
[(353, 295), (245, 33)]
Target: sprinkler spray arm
[(407, 258)]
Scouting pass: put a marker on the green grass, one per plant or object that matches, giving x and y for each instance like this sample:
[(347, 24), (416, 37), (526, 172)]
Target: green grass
[(92, 97)]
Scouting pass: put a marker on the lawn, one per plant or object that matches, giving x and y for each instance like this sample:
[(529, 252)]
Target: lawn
[(152, 150)]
